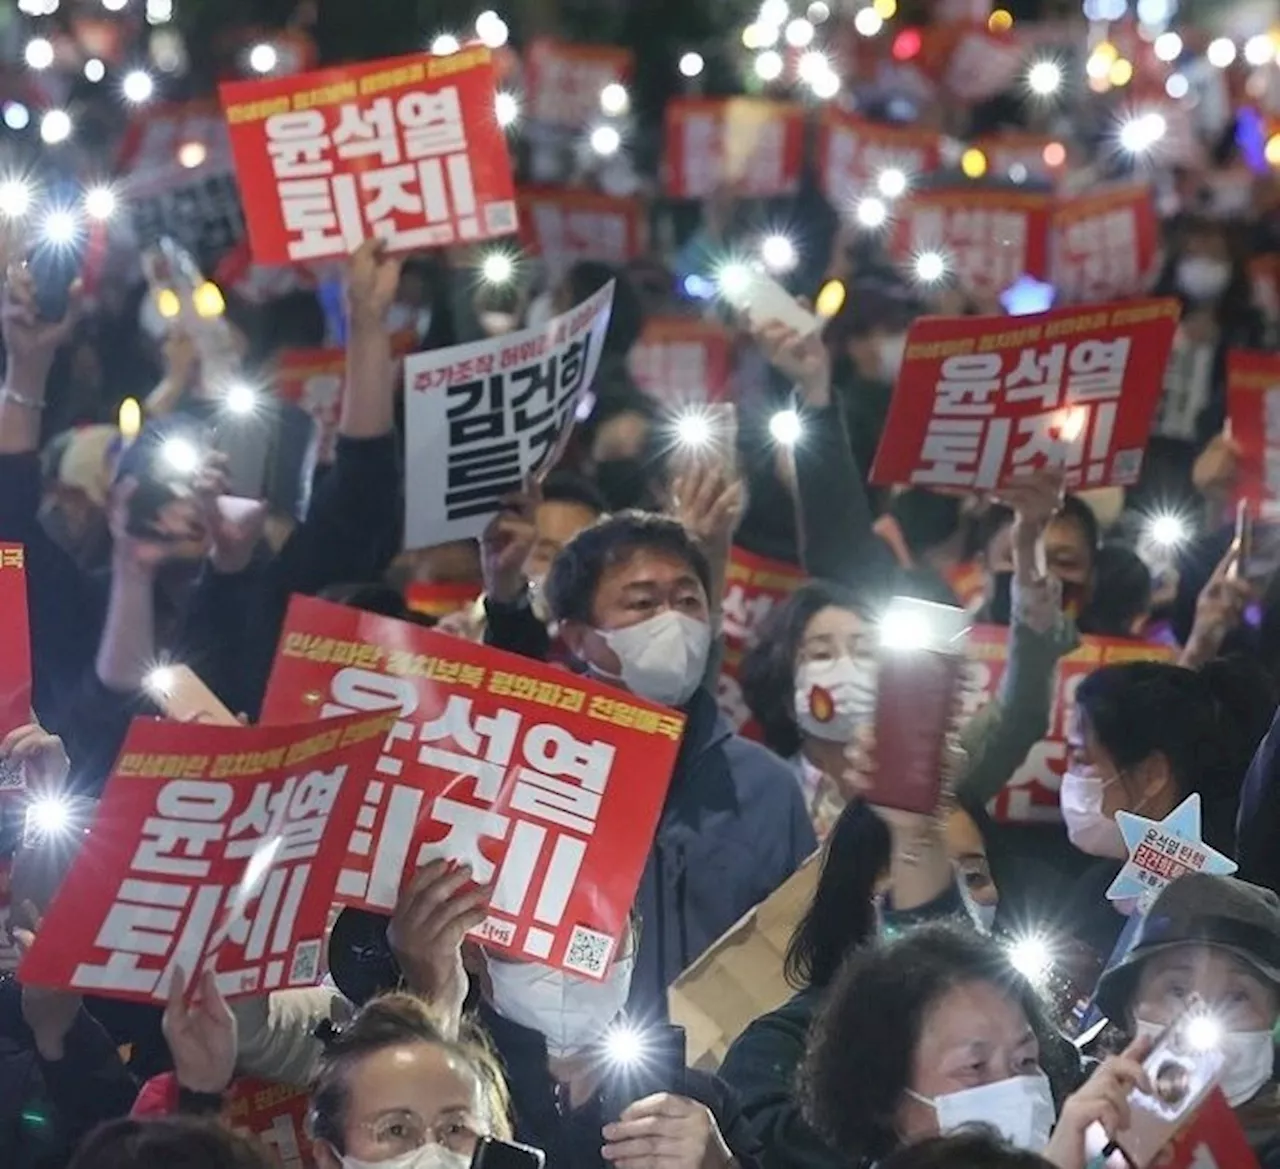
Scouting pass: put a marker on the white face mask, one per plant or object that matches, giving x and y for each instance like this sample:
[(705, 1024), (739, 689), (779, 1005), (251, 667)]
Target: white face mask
[(1250, 1060), (892, 350), (1202, 278), (834, 698), (571, 1013), (982, 916), (1020, 1109), (429, 1156), (1091, 830), (663, 658)]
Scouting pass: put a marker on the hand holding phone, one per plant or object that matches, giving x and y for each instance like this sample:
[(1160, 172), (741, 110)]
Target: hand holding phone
[(495, 1154), (641, 1064)]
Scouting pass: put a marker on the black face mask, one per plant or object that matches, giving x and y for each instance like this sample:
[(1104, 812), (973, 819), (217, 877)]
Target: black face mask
[(999, 610), (624, 483)]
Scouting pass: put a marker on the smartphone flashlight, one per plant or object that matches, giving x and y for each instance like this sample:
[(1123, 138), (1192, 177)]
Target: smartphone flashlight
[(180, 455)]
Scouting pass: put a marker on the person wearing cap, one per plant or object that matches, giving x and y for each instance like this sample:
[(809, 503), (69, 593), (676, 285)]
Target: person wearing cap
[(1219, 938)]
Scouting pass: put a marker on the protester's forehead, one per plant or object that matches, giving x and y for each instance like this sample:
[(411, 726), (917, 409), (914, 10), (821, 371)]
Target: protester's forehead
[(1200, 958), (974, 1012), (419, 1076), (638, 564), (832, 621)]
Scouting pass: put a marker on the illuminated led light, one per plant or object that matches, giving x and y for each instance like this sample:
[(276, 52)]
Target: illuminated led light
[(885, 9), (1098, 66), (1259, 50), (39, 53), (497, 268), (1073, 423), (871, 212), (263, 58), (798, 33), (891, 182), (614, 99), (16, 115), (129, 419), (100, 203), (507, 108), (1204, 1032), (115, 5), (818, 12), (930, 267), (907, 44), (1221, 52), (15, 198), (492, 29), (1001, 20), (240, 399), (786, 428), (192, 155), (904, 630), (778, 253), (60, 227), (760, 36), (691, 64), (768, 65), (160, 681), (159, 11), (1044, 78), (445, 45), (49, 815), (1168, 530), (138, 86), (606, 141), (1031, 956), (1272, 150), (181, 455), (1054, 154), (1140, 134), (774, 12), (94, 70), (1176, 85), (1018, 173), (867, 22), (973, 163), (1167, 46), (830, 299), (733, 280), (825, 86), (1121, 72), (167, 304), (693, 429), (812, 66)]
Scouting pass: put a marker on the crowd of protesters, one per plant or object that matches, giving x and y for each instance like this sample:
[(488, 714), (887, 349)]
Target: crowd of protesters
[(913, 1039)]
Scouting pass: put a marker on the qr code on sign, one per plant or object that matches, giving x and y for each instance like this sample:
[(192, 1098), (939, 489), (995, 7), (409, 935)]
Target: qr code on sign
[(500, 218), (306, 963), (589, 952)]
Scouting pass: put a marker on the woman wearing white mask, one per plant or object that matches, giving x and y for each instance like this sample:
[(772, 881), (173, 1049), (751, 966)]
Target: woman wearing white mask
[(1219, 938), (1144, 737), (936, 1032), (393, 1092)]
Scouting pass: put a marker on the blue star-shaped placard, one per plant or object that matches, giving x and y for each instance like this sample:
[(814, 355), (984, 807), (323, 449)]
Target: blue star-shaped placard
[(1161, 851)]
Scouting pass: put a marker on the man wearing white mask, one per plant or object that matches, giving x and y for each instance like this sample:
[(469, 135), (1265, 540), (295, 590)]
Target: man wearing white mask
[(1219, 938)]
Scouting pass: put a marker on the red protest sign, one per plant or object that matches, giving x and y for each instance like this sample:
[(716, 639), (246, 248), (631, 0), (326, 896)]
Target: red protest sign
[(855, 150), (547, 784), (753, 145), (1212, 1139), (440, 598), (563, 81), (313, 379), (407, 149), (753, 586), (1104, 244), (564, 225), (15, 636), (680, 360), (213, 848), (1253, 408), (988, 238), (982, 400), (1031, 795), (275, 1115)]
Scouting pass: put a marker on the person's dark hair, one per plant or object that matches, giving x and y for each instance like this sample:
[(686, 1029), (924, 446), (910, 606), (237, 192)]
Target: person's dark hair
[(1075, 510), (842, 914), (626, 321), (393, 1020), (1207, 723), (926, 518), (375, 598), (563, 486), (988, 524), (863, 1040), (175, 1142), (575, 573), (768, 670), (964, 1150), (1121, 592)]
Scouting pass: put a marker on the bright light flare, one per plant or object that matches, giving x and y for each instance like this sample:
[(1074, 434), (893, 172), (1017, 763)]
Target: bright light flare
[(1221, 52), (768, 65), (614, 100), (830, 299), (240, 399), (826, 85), (16, 115), (693, 429), (774, 12), (445, 45), (1204, 1032), (733, 280), (1072, 423), (180, 455), (94, 70), (1177, 86), (798, 33), (691, 64), (492, 29), (263, 58), (871, 212), (129, 419), (891, 182), (1140, 134), (100, 203), (867, 22), (973, 163), (1044, 78), (1259, 50), (507, 108), (15, 198), (160, 681), (1168, 46), (138, 86), (1031, 956), (786, 428), (1168, 530), (902, 629), (39, 53), (208, 301), (60, 228), (605, 141), (778, 253), (930, 267), (624, 1046), (192, 154), (48, 816), (497, 269), (55, 127)]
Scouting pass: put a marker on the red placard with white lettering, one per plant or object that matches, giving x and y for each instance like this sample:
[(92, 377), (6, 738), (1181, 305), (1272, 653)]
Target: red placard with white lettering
[(213, 848), (1031, 795), (753, 586), (1104, 244), (564, 225), (546, 783), (680, 360), (273, 1114), (753, 145), (1253, 407), (1212, 1139), (313, 380), (15, 637), (407, 149), (982, 400), (563, 80), (855, 150), (988, 238)]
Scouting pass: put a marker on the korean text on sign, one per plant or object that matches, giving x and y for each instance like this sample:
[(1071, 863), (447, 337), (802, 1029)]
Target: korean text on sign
[(1253, 406), (408, 150), (563, 81), (546, 784), (988, 239), (982, 400), (755, 144), (754, 585), (213, 848), (564, 226), (855, 151), (482, 417), (15, 646), (1103, 244), (273, 1114), (680, 360), (1031, 795)]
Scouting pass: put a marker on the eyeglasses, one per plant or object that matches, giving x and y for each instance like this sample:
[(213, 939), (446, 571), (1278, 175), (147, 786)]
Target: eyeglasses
[(402, 1132)]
